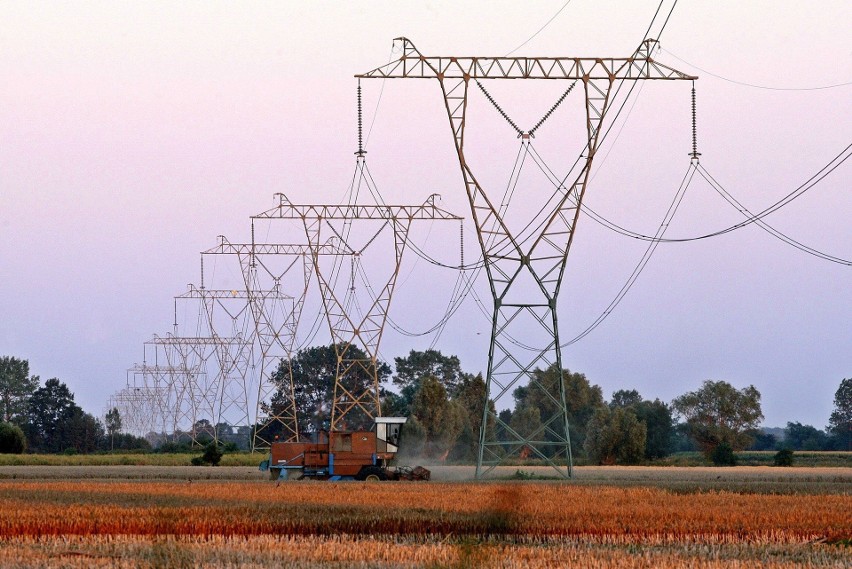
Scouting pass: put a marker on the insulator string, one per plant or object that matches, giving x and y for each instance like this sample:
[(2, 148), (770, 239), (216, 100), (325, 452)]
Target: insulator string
[(360, 124), (695, 154)]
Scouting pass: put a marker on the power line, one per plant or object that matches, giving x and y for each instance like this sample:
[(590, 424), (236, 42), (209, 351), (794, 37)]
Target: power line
[(541, 29), (754, 86), (643, 262), (765, 226), (830, 167)]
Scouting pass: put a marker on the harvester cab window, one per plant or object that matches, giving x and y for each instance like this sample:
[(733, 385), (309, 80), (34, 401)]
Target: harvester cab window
[(393, 433)]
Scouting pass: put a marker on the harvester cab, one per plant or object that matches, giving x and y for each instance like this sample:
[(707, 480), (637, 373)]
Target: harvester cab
[(339, 455)]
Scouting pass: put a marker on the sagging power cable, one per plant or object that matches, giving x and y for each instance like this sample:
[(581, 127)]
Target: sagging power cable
[(643, 262)]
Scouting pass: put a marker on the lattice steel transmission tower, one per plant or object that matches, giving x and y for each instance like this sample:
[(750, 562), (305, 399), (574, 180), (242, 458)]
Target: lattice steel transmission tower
[(224, 350), (525, 268), (276, 314), (353, 404), (149, 397), (138, 408)]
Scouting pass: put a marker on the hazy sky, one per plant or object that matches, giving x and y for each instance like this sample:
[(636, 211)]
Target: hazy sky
[(135, 133)]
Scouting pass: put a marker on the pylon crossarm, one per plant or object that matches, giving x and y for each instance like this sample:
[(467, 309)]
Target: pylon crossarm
[(412, 64), (271, 249), (287, 210), (194, 292)]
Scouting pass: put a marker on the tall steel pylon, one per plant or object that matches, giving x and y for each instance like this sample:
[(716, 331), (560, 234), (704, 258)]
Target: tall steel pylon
[(138, 406), (219, 354), (276, 317), (525, 269), (154, 394), (353, 404)]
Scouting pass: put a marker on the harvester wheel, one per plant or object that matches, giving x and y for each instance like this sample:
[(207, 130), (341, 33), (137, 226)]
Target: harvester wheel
[(372, 474)]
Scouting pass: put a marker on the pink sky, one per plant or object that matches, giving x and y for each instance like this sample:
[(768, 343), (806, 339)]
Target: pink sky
[(135, 133)]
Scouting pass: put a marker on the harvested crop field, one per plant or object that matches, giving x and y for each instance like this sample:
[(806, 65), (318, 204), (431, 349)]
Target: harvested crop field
[(604, 518)]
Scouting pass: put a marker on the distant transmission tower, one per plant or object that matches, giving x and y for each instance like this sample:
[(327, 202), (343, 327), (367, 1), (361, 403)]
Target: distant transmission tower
[(276, 315), (351, 325), (525, 268), (148, 396)]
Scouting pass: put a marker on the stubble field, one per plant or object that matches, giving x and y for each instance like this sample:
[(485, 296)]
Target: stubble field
[(605, 517)]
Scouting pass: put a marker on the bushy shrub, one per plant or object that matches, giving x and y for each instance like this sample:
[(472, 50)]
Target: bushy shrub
[(12, 439), (784, 457), (723, 455), (212, 455)]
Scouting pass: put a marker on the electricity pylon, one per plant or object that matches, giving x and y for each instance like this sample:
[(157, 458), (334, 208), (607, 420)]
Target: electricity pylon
[(219, 352), (152, 393), (276, 317), (525, 269), (354, 403), (138, 408)]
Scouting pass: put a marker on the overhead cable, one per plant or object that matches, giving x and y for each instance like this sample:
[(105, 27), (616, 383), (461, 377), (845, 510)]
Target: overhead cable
[(541, 29), (755, 86)]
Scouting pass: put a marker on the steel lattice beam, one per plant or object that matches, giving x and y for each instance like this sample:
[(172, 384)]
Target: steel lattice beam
[(525, 271), (412, 64)]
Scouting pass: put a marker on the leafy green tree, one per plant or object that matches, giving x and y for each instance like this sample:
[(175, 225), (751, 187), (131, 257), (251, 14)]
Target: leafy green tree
[(719, 413), (16, 387), (203, 431), (470, 396), (12, 439), (314, 370), (413, 368), (113, 425), (48, 411), (81, 432), (505, 418), (625, 398), (763, 441), (393, 405), (442, 420), (212, 454), (682, 440), (655, 415), (54, 423), (526, 420), (840, 422), (126, 441), (659, 425), (805, 437), (412, 439), (784, 457), (723, 455), (615, 436)]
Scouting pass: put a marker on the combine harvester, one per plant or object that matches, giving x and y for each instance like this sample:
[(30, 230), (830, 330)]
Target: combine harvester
[(344, 455)]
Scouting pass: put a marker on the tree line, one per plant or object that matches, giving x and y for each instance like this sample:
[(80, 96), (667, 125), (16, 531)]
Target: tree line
[(45, 418), (444, 405)]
